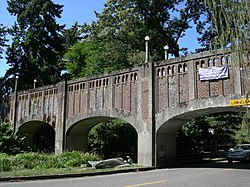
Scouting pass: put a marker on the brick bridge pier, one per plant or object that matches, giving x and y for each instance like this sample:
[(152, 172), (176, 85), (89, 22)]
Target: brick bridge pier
[(156, 98)]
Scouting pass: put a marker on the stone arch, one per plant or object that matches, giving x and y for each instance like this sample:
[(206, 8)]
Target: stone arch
[(38, 135), (105, 113), (77, 133), (170, 120)]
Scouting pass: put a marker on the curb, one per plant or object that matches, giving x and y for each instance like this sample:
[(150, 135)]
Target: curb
[(58, 176)]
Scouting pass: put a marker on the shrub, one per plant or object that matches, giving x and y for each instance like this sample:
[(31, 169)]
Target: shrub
[(9, 142), (44, 161)]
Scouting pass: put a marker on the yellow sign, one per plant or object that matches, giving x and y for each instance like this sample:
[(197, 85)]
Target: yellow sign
[(240, 102)]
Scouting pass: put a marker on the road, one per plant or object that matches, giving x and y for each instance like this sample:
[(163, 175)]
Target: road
[(206, 175)]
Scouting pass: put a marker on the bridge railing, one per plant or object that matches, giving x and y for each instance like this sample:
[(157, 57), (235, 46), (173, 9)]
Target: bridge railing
[(100, 92), (39, 103), (177, 80)]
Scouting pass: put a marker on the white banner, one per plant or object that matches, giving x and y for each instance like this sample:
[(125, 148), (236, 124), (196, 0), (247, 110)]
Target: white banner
[(213, 72)]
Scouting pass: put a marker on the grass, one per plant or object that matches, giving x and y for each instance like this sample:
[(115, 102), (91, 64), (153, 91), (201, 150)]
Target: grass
[(34, 164), (53, 171)]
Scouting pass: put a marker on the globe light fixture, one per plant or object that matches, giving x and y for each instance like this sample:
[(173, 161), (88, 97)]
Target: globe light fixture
[(35, 83), (166, 51)]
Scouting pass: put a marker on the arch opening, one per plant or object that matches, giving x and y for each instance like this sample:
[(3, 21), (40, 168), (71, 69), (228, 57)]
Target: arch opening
[(38, 136), (212, 132), (106, 136)]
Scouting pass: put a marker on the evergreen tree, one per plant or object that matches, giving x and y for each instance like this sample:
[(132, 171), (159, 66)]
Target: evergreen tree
[(37, 45), (3, 40), (71, 35)]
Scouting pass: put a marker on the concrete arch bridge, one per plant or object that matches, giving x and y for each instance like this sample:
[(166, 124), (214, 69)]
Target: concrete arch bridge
[(156, 98)]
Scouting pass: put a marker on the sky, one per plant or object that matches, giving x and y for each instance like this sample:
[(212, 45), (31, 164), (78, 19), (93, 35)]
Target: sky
[(73, 11), (80, 11)]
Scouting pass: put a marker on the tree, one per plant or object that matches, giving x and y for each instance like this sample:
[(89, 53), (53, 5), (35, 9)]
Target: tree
[(210, 132), (231, 22), (37, 45), (168, 21), (121, 27), (3, 40), (71, 35), (243, 134)]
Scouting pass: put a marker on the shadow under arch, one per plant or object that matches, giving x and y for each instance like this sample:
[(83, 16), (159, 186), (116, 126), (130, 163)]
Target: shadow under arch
[(38, 135), (77, 133), (166, 133)]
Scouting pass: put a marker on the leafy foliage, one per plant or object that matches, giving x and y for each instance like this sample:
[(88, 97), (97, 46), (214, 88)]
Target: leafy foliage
[(230, 23), (112, 139), (230, 19), (208, 133), (243, 134), (9, 142), (44, 161), (117, 37)]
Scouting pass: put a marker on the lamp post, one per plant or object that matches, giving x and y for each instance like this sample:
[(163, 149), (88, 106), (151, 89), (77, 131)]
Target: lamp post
[(16, 78), (146, 44), (15, 103), (35, 83), (166, 51)]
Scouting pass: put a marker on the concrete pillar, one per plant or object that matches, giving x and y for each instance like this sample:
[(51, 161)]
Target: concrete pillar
[(61, 118), (238, 74), (146, 132), (152, 108), (111, 92), (191, 80), (145, 156)]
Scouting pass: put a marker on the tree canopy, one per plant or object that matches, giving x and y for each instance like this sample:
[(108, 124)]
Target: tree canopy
[(230, 22), (117, 36), (3, 40), (209, 133), (37, 48)]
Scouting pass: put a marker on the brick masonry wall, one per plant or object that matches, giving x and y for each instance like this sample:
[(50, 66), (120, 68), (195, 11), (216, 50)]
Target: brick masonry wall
[(212, 88), (144, 100), (161, 92), (171, 85), (42, 103), (134, 96)]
